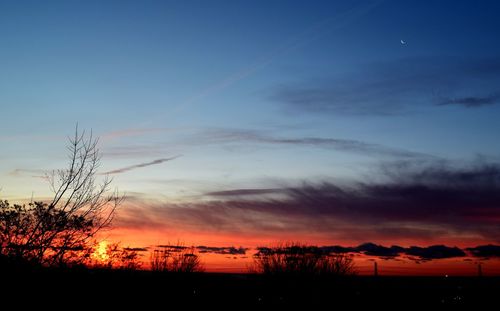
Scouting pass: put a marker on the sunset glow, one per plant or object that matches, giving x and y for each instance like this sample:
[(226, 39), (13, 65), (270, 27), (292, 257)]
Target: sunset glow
[(366, 128), (101, 252)]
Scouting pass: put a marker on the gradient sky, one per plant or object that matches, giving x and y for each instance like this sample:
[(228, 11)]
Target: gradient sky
[(248, 122)]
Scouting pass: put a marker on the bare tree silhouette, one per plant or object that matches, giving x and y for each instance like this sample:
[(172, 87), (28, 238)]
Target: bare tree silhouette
[(60, 232)]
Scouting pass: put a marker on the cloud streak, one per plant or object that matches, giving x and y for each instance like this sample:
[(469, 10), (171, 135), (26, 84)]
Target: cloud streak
[(220, 136), (432, 203), (472, 101), (303, 38), (244, 192), (32, 172), (222, 250), (129, 132), (132, 167), (260, 138), (397, 87)]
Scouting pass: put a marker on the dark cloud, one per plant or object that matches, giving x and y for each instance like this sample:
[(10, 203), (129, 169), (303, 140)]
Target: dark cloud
[(291, 248), (472, 101), (485, 250), (264, 250), (434, 252), (396, 87), (420, 253), (129, 168), (371, 249), (411, 203), (223, 250), (440, 191), (337, 249)]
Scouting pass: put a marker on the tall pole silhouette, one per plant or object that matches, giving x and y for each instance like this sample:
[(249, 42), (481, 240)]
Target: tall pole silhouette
[(375, 268), (479, 270)]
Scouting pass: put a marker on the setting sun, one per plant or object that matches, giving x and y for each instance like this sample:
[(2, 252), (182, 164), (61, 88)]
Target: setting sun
[(101, 252), (250, 153)]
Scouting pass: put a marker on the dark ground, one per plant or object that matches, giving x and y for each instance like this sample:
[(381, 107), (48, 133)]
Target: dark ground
[(143, 289)]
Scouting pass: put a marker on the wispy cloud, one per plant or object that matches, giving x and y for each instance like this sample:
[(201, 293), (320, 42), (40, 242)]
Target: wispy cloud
[(242, 137), (244, 192), (127, 132), (39, 173), (23, 171), (35, 173), (472, 101), (220, 136), (303, 38), (397, 87), (129, 168)]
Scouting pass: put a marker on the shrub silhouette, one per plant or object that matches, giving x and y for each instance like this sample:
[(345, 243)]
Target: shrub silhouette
[(60, 232), (175, 258), (295, 259)]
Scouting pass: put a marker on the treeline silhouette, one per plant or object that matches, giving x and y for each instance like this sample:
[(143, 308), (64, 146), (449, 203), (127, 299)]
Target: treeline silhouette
[(61, 232), (50, 254)]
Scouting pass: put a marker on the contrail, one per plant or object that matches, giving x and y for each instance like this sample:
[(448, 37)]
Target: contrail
[(128, 168), (307, 36)]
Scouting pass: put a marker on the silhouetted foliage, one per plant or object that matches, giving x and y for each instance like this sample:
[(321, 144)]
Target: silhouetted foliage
[(175, 258), (295, 259), (60, 232), (113, 256)]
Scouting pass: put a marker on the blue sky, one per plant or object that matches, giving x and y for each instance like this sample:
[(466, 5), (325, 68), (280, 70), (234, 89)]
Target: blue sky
[(246, 95)]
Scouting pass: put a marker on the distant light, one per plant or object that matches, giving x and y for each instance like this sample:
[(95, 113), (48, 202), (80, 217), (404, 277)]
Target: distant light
[(446, 275)]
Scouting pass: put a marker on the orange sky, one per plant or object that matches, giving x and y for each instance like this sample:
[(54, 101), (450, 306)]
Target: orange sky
[(401, 265)]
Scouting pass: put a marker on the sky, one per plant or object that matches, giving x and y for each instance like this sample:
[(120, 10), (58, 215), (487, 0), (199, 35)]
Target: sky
[(245, 123)]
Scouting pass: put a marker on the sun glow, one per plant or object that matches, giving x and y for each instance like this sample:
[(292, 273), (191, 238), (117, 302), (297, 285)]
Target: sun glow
[(101, 251)]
